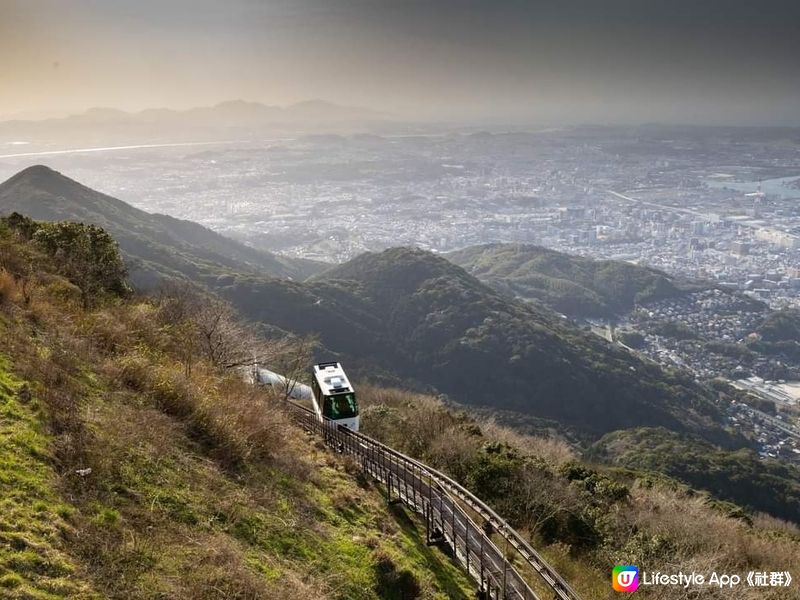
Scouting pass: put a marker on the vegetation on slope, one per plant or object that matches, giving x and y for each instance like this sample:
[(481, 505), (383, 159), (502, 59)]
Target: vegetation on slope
[(779, 336), (134, 465), (585, 517), (33, 519), (573, 285), (781, 326), (770, 486)]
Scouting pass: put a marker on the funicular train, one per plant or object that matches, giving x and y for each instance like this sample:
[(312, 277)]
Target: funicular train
[(331, 394)]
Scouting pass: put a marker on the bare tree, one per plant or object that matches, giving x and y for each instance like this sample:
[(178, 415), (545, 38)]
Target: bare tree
[(202, 326), (293, 360), (542, 497)]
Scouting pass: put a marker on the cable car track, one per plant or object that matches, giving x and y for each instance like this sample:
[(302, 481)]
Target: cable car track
[(446, 505)]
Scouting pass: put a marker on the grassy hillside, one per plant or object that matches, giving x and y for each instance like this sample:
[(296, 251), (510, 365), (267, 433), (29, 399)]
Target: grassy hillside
[(132, 465), (420, 316), (35, 520), (584, 517), (572, 285), (154, 245)]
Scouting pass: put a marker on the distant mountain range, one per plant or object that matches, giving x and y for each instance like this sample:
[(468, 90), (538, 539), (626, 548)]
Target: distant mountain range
[(404, 312), (232, 117)]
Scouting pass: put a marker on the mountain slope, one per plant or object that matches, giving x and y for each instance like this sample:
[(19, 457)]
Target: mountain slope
[(573, 285), (419, 315), (154, 245), (126, 475)]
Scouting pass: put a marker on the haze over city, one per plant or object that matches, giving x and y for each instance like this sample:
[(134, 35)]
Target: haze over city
[(503, 62)]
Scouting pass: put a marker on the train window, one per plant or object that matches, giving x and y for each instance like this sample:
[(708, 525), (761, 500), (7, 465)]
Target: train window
[(340, 406)]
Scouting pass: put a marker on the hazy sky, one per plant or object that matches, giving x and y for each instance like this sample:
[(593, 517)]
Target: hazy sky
[(698, 61)]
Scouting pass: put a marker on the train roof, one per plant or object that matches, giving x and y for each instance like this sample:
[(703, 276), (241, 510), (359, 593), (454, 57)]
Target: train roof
[(331, 378)]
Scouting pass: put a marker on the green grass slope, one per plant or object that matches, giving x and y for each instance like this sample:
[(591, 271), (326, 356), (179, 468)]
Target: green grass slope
[(34, 520)]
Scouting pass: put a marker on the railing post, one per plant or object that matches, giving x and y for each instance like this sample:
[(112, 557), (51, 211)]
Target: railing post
[(428, 525), (505, 568), (453, 525), (466, 545), (481, 559), (441, 511), (405, 482), (414, 484)]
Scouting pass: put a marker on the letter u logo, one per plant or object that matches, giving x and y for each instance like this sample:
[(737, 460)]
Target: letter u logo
[(625, 578)]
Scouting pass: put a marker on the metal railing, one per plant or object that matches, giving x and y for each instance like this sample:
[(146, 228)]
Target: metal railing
[(446, 506)]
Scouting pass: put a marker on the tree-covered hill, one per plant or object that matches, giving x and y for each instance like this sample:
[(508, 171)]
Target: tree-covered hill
[(740, 476), (155, 246), (779, 336), (418, 315), (573, 285)]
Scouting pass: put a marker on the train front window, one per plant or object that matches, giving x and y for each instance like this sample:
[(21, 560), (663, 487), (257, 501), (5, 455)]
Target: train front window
[(340, 406)]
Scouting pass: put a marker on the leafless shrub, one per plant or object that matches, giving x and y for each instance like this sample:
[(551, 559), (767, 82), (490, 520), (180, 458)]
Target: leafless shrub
[(245, 425), (454, 452), (552, 450), (240, 423), (770, 523)]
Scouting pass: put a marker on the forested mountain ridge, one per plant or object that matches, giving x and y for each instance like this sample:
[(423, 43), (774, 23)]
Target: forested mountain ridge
[(417, 314), (155, 246), (574, 285)]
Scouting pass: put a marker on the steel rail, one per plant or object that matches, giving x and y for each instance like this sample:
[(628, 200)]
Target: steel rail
[(436, 496)]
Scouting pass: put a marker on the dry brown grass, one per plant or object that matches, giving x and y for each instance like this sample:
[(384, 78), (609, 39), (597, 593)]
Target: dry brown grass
[(701, 539), (772, 524), (236, 421), (8, 287), (657, 527), (552, 450)]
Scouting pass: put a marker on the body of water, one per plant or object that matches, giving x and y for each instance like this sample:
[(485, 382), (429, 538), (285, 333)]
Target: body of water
[(779, 187)]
